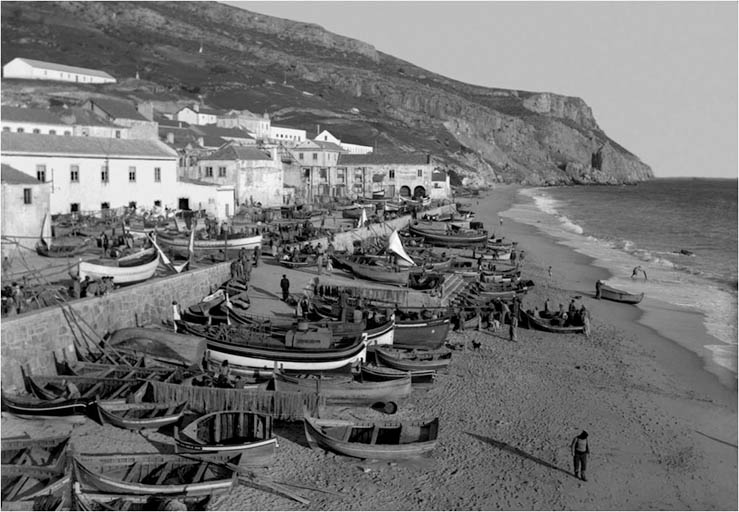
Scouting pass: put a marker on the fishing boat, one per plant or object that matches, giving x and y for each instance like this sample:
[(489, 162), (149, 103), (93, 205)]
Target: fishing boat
[(313, 348), (139, 416), (342, 387), (33, 470), (218, 307), (299, 261), (154, 474), (452, 237), (89, 499), (62, 250), (426, 334), (614, 294), (181, 245), (372, 440), (414, 360), (549, 324), (230, 432), (159, 344), (372, 372), (379, 272), (126, 270), (144, 369)]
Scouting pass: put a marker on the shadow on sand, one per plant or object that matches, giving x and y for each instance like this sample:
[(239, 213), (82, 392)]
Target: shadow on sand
[(264, 292), (517, 451)]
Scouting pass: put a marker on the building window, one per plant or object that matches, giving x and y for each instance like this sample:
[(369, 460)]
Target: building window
[(420, 173), (52, 132), (324, 173), (132, 174), (157, 174), (117, 134), (74, 173), (391, 174), (74, 207), (208, 172), (104, 206), (67, 133), (306, 172), (300, 156), (36, 130), (157, 203), (6, 128), (26, 196), (315, 156), (221, 172), (41, 173), (104, 174), (20, 130), (132, 204)]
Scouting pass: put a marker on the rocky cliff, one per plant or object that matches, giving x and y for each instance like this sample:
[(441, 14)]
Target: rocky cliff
[(307, 77)]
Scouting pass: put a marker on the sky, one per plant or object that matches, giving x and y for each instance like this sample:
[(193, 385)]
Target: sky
[(660, 77)]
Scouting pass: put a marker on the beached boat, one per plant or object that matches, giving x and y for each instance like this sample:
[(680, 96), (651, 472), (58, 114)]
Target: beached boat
[(299, 261), (144, 369), (33, 469), (343, 387), (549, 324), (181, 245), (86, 499), (452, 238), (218, 307), (139, 416), (372, 372), (230, 432), (127, 270), (61, 250), (614, 294), (162, 345), (421, 334), (311, 349), (372, 440), (414, 360), (154, 474)]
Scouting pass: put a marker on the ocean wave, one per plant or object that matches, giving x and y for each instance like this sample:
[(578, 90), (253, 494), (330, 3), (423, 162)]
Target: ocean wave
[(571, 226)]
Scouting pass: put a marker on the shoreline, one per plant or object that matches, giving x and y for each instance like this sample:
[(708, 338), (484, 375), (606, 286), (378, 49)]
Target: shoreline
[(658, 316)]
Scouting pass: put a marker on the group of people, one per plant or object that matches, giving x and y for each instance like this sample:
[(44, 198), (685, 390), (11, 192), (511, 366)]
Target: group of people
[(496, 316), (241, 267), (572, 316), (89, 288), (14, 299)]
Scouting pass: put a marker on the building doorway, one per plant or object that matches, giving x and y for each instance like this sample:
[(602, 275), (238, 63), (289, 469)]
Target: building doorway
[(419, 192), (405, 191), (183, 203)]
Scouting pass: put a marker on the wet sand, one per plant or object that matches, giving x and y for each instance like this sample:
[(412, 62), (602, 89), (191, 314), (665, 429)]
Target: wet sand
[(663, 431)]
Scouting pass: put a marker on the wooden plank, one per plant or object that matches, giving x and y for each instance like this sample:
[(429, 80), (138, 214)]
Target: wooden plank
[(201, 471), (91, 392), (134, 469), (163, 473)]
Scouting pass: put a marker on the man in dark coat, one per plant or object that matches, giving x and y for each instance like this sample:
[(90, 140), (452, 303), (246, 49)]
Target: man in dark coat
[(285, 287)]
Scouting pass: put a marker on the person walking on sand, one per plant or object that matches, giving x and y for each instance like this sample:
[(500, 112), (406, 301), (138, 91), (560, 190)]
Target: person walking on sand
[(580, 450), (585, 318), (285, 287)]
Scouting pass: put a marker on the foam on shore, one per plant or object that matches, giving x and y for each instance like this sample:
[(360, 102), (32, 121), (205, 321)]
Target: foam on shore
[(668, 289)]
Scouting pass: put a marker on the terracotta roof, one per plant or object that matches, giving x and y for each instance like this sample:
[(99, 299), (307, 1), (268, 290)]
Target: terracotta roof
[(118, 109), (216, 131), (385, 159), (13, 176), (30, 115), (234, 152), (33, 144), (67, 69)]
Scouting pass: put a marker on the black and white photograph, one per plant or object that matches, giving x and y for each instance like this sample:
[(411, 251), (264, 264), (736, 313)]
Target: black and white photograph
[(369, 255)]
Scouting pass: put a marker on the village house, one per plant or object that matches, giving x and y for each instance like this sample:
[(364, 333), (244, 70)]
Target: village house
[(198, 115), (59, 121), (258, 125), (217, 201), (139, 119), (39, 70), (349, 146), (219, 136), (316, 161), (90, 174), (407, 175), (257, 175), (286, 135), (25, 202)]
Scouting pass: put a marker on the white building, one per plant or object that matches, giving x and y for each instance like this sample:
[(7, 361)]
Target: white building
[(258, 125), (77, 122), (25, 201), (39, 70), (215, 199), (354, 148), (89, 174), (196, 114), (286, 135)]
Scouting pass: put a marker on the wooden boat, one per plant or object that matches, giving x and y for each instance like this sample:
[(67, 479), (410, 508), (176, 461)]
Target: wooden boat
[(300, 261), (180, 245), (154, 474), (372, 440), (545, 324), (61, 250), (421, 334), (33, 472), (126, 270), (171, 374), (379, 273), (614, 294), (375, 372), (414, 360), (230, 432), (216, 309), (312, 349), (139, 416), (84, 499), (159, 344), (342, 387), (462, 238)]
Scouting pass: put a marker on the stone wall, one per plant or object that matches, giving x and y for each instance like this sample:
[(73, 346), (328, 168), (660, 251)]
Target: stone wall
[(32, 338)]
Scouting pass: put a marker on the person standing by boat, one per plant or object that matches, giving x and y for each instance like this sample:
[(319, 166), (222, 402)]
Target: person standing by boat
[(598, 284), (257, 255), (176, 314), (104, 243), (585, 319), (285, 287), (580, 450)]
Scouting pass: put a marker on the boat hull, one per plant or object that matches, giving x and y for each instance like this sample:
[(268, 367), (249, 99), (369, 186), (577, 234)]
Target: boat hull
[(343, 390), (161, 415), (430, 361), (180, 246), (121, 275), (609, 293), (164, 346), (421, 334), (543, 325)]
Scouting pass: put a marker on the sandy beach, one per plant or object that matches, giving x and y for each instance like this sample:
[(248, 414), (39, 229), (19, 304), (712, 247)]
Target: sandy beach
[(663, 431)]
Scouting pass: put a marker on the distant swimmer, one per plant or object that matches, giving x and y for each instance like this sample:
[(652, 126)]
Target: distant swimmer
[(635, 272)]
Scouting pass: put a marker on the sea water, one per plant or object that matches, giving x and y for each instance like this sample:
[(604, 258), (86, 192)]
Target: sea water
[(682, 232)]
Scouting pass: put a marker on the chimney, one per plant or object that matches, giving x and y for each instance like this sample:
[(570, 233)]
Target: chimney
[(318, 129), (170, 138), (196, 107)]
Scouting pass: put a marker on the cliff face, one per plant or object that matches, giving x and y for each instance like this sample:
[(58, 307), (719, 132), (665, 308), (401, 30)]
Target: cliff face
[(306, 76)]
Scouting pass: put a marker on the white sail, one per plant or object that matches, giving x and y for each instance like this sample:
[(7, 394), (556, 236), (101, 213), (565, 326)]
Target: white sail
[(395, 246), (362, 219)]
